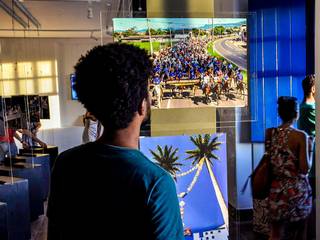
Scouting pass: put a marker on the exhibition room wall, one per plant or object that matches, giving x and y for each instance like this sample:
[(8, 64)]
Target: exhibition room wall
[(64, 128)]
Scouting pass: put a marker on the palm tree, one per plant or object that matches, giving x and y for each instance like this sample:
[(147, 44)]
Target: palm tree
[(167, 159), (204, 153), (204, 150)]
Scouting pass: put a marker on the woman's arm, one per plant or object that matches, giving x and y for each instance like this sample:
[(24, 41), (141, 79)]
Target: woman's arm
[(304, 159), (30, 134), (17, 136)]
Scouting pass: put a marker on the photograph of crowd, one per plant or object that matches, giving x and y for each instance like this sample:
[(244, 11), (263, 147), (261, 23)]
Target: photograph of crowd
[(197, 62)]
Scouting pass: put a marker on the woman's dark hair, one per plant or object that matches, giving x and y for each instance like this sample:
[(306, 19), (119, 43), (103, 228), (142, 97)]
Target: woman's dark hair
[(287, 108), (112, 82), (307, 84)]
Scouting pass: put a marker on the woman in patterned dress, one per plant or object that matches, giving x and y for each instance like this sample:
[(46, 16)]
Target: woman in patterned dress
[(290, 198)]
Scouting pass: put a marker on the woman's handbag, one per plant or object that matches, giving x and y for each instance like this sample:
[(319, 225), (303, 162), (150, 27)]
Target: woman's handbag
[(261, 178)]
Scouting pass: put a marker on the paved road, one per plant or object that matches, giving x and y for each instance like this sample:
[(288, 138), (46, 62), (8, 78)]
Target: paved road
[(233, 101), (226, 48)]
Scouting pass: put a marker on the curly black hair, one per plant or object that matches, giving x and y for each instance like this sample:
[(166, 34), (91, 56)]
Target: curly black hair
[(307, 84), (112, 82), (287, 108)]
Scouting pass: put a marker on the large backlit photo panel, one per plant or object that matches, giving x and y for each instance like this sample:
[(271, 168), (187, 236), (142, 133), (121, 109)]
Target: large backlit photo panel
[(197, 62), (200, 174)]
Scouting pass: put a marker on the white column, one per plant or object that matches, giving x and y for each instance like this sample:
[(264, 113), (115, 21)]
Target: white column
[(317, 68)]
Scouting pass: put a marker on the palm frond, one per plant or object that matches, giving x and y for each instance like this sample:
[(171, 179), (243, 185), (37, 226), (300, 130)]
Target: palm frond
[(213, 140), (156, 156), (160, 150), (194, 140), (173, 154), (166, 158), (200, 142), (206, 139), (212, 155)]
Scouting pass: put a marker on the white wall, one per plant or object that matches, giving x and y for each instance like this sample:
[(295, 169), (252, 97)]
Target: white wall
[(68, 52), (64, 127)]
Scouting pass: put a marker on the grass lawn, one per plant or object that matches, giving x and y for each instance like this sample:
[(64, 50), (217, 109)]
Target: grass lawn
[(214, 53)]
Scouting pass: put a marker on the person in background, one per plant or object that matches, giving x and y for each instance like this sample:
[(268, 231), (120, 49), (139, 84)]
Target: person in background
[(157, 91), (29, 135), (8, 147), (307, 119), (108, 189), (290, 198), (307, 123), (92, 128)]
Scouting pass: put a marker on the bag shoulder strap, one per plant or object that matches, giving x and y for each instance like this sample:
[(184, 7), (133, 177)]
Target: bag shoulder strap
[(250, 176)]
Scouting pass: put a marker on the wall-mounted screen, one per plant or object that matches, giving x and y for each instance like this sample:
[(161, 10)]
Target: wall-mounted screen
[(197, 62), (72, 82)]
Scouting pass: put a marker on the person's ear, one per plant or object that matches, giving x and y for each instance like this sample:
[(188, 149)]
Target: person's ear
[(313, 89), (142, 110)]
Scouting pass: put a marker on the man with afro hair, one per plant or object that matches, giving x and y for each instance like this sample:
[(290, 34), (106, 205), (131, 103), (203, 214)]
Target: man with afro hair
[(108, 189)]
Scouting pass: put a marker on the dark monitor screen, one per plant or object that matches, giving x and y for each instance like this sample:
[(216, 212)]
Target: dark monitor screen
[(73, 92)]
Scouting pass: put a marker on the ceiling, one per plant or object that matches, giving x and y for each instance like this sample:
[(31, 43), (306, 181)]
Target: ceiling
[(63, 18)]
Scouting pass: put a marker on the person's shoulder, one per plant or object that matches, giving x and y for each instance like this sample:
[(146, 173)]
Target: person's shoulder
[(269, 132), (308, 105), (145, 166), (75, 153), (299, 134)]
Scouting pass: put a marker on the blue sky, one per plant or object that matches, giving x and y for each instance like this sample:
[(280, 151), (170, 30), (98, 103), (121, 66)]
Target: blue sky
[(202, 210), (122, 24)]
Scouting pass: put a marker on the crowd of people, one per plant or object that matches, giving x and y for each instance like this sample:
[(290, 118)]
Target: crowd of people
[(189, 60)]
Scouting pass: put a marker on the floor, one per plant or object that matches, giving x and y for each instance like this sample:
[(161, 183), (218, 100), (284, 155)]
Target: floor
[(40, 226), (238, 231)]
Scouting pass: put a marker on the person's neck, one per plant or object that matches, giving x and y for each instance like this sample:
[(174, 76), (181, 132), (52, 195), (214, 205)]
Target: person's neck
[(286, 124), (127, 137), (309, 99)]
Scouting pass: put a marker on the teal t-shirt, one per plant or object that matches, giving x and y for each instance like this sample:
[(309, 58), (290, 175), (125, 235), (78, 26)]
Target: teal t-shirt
[(307, 118), (135, 198), (307, 123)]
